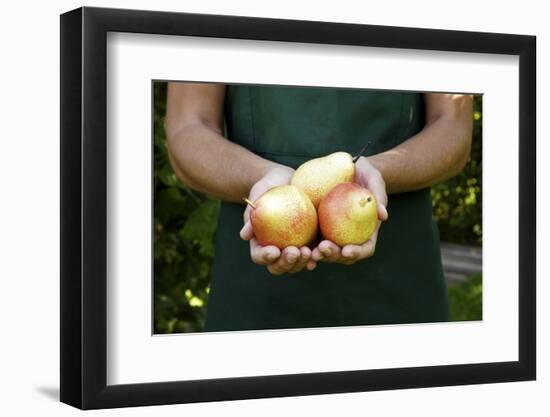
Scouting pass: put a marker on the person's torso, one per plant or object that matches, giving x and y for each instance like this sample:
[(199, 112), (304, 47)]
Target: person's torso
[(293, 124), (402, 283)]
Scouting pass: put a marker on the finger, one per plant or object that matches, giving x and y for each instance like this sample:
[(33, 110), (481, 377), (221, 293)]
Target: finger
[(382, 212), (263, 255), (357, 252), (350, 251), (377, 186), (350, 254), (286, 261), (311, 265), (329, 250), (246, 213), (247, 232), (305, 256), (273, 270), (316, 254)]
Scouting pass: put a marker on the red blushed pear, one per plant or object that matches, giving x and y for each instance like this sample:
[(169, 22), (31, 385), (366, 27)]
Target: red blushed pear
[(348, 215), (283, 216)]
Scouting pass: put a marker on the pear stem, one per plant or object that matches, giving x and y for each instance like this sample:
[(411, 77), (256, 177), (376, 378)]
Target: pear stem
[(250, 203), (356, 158)]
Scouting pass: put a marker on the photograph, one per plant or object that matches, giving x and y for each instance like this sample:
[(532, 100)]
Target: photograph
[(263, 207), (295, 207)]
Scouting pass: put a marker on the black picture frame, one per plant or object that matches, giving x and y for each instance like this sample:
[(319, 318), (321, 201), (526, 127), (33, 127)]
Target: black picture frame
[(84, 207)]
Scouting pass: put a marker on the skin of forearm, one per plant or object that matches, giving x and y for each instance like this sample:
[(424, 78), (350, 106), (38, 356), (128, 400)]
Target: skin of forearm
[(206, 161), (436, 153)]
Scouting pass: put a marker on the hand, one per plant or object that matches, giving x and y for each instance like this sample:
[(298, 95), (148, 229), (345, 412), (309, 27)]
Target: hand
[(369, 177), (290, 259)]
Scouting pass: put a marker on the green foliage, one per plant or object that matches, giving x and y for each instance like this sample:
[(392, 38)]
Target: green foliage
[(185, 225), (465, 299), (457, 202)]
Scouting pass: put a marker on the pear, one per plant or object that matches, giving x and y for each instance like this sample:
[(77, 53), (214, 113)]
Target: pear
[(318, 176), (283, 216), (348, 215)]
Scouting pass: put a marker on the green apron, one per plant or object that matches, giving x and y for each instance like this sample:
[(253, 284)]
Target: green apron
[(402, 283)]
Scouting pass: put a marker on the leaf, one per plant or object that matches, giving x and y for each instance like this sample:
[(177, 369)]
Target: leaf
[(171, 205), (200, 227)]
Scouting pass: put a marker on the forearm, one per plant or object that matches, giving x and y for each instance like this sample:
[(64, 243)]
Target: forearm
[(206, 161), (436, 153)]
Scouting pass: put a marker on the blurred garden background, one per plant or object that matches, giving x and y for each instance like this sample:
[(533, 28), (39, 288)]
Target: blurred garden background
[(185, 226)]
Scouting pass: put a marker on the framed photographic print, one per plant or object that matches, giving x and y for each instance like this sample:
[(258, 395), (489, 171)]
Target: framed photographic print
[(258, 207)]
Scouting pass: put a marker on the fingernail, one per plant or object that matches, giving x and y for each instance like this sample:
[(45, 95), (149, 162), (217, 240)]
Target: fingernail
[(291, 258), (271, 256), (327, 252)]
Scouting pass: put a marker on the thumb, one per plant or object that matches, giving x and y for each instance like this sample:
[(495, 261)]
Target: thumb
[(246, 232), (382, 212)]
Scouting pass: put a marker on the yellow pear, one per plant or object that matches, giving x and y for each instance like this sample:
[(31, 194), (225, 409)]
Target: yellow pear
[(348, 215), (318, 176), (283, 216)]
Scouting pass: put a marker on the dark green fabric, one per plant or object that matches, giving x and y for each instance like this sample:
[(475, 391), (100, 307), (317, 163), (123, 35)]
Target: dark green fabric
[(402, 283)]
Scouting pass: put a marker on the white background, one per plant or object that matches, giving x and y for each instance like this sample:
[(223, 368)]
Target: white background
[(133, 60), (30, 197)]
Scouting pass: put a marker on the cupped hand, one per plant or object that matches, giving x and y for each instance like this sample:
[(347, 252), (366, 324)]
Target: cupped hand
[(369, 177), (277, 261)]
